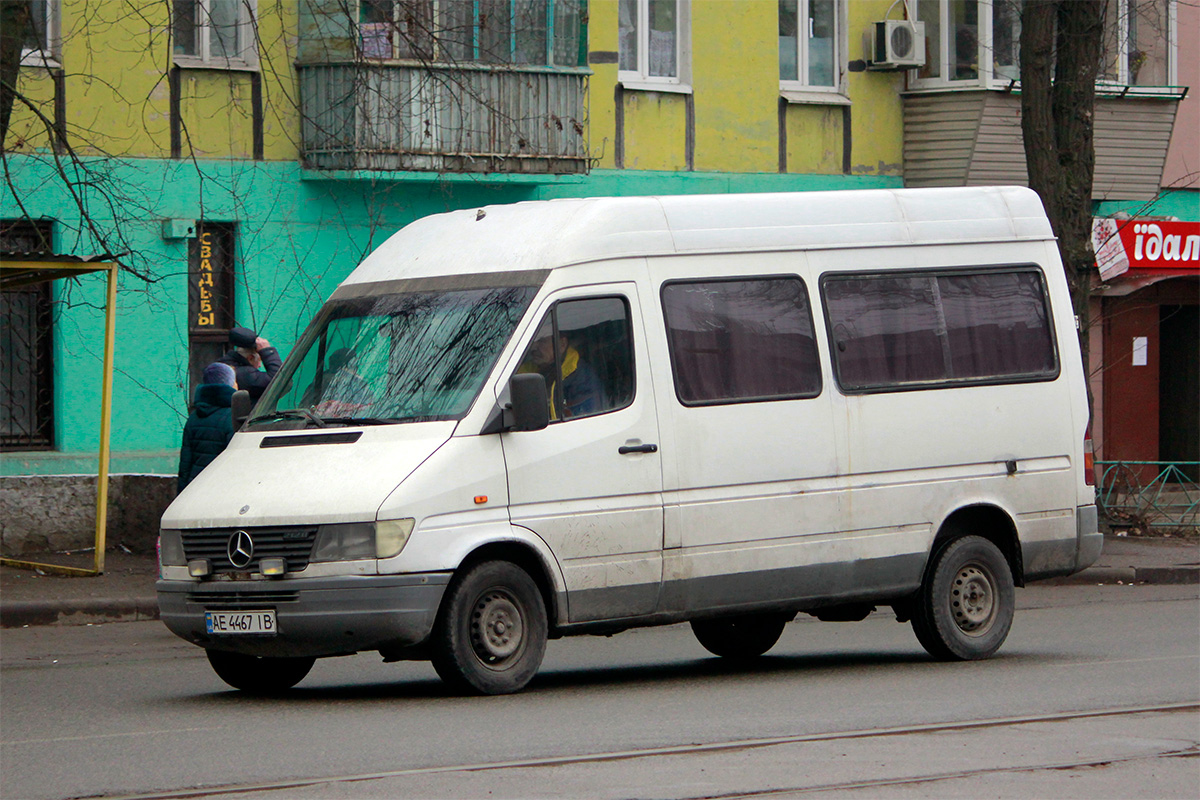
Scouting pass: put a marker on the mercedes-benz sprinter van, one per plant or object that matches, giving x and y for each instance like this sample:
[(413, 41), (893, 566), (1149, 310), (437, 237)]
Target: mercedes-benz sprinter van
[(521, 422)]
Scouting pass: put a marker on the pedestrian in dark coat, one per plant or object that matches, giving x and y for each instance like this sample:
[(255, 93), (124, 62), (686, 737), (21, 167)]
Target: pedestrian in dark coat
[(210, 424), (251, 351)]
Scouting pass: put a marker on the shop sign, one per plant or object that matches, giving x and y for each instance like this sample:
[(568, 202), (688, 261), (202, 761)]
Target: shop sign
[(1152, 245)]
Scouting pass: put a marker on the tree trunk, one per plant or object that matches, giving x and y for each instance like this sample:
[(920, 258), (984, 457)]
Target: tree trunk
[(1060, 60)]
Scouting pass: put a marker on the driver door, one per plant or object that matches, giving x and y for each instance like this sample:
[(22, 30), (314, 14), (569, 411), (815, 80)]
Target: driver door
[(590, 483)]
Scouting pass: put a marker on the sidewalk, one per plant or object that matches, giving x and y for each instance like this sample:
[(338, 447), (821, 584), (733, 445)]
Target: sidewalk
[(126, 589)]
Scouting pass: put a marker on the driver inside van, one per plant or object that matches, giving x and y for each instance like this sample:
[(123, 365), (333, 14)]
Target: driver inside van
[(581, 392)]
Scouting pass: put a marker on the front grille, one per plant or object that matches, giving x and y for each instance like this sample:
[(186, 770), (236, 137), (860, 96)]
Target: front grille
[(294, 544), (241, 601)]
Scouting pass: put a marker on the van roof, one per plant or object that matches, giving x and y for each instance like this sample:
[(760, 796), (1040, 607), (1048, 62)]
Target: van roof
[(544, 234)]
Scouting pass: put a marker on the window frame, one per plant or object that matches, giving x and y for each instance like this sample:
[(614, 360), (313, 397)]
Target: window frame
[(988, 78), (247, 24), (436, 47), (799, 90), (640, 79), (42, 435), (551, 312), (812, 325), (50, 56), (954, 383)]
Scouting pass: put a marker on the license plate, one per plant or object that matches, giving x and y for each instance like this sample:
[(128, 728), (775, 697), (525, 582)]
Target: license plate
[(234, 622)]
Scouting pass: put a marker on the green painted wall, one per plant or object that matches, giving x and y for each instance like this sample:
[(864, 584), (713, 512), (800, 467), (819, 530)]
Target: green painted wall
[(1181, 203), (298, 236)]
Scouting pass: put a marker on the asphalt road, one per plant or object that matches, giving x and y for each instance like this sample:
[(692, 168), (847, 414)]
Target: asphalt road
[(1095, 694)]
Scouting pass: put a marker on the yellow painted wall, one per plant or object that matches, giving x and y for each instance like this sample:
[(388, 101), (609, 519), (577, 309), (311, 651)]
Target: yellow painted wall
[(735, 75), (602, 38), (735, 83), (116, 60)]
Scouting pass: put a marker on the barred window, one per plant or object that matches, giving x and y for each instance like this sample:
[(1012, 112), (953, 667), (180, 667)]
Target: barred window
[(26, 347)]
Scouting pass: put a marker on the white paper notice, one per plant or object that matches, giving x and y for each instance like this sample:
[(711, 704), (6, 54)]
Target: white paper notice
[(1141, 345)]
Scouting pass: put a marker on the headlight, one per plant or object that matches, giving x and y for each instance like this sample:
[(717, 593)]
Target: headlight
[(354, 541), (349, 541), (391, 535), (170, 549)]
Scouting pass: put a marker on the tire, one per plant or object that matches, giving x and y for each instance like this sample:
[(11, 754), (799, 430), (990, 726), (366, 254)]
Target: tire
[(258, 675), (491, 631), (965, 607), (739, 637)]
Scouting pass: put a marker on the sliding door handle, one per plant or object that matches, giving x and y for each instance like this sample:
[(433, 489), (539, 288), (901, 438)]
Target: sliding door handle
[(626, 449)]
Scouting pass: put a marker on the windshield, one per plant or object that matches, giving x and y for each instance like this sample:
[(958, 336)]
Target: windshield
[(397, 357)]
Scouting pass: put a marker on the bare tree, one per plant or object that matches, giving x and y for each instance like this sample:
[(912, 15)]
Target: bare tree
[(1061, 45)]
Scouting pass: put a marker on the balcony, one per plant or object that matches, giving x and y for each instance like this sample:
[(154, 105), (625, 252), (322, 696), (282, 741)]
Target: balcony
[(435, 118)]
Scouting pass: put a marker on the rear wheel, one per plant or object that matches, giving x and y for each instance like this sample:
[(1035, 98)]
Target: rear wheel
[(258, 674), (739, 637), (965, 608), (491, 632)]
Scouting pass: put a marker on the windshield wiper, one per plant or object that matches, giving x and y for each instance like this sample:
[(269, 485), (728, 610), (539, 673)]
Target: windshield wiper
[(293, 413), (376, 420)]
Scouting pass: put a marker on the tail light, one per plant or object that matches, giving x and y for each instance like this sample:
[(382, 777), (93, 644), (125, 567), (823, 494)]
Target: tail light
[(1089, 458)]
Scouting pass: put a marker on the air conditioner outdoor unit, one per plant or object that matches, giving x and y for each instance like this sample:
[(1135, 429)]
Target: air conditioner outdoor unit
[(898, 44)]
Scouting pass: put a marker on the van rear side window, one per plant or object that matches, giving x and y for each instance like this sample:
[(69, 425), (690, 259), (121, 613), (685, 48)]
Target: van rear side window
[(737, 341), (924, 330)]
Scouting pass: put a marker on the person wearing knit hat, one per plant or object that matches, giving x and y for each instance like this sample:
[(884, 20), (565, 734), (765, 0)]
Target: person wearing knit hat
[(253, 359), (209, 426)]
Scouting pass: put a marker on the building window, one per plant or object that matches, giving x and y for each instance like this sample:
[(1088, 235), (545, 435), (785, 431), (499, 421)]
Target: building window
[(1138, 43), (26, 347), (972, 43), (529, 32), (41, 41), (654, 44), (214, 33), (740, 341), (810, 44)]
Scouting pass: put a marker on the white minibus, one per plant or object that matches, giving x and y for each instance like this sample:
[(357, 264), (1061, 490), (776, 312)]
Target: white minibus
[(521, 422)]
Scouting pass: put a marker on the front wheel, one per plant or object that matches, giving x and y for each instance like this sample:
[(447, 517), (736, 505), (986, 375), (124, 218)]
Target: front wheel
[(491, 633), (739, 637), (965, 607), (258, 674)]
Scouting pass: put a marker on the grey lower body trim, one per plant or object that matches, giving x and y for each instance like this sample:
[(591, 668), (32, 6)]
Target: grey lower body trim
[(1050, 559), (880, 580), (1087, 531), (315, 616)]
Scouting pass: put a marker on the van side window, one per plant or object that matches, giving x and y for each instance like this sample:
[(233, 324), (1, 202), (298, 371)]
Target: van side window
[(899, 331), (737, 341), (584, 351)]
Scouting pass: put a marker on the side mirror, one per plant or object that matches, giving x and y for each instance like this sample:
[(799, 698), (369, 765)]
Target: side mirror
[(529, 409), (240, 405)]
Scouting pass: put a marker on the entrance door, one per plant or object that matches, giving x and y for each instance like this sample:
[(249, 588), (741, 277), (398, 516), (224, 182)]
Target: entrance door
[(590, 484)]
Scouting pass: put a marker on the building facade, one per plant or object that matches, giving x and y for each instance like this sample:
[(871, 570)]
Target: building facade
[(240, 158)]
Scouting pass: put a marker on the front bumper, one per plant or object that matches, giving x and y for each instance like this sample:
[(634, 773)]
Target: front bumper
[(314, 616)]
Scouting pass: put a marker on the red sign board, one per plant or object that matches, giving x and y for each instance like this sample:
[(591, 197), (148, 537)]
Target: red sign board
[(1125, 244)]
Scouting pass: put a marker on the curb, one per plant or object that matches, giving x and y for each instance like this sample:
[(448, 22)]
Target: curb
[(25, 613), (1127, 575)]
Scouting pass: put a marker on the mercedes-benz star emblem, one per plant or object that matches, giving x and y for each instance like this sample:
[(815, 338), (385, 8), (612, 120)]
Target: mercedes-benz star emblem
[(240, 549)]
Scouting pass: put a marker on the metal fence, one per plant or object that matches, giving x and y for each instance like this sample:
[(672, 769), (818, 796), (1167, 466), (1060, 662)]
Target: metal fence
[(1149, 494)]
